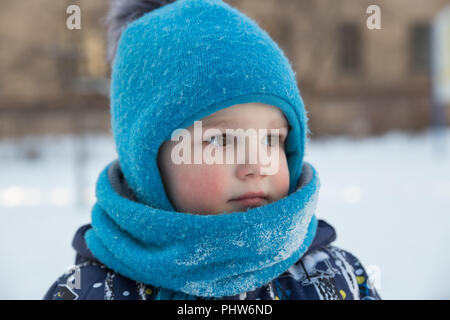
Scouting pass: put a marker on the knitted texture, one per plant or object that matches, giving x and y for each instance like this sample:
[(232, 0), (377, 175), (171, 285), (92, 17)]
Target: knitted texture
[(182, 62), (202, 255)]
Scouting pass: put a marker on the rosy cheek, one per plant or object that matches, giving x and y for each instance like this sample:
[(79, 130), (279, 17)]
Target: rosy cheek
[(201, 187), (212, 181), (281, 180)]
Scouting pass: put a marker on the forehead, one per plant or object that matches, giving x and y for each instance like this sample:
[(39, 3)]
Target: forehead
[(257, 113)]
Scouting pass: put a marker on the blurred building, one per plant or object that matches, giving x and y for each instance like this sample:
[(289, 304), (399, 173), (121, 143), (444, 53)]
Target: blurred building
[(52, 80), (353, 80)]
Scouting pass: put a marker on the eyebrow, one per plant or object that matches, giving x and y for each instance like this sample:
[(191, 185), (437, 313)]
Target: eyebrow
[(279, 122), (219, 123), (227, 123)]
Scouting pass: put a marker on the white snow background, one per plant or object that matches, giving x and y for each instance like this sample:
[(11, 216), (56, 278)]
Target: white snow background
[(388, 198)]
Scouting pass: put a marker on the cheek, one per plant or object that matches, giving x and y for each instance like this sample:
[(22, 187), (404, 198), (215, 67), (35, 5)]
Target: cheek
[(202, 180), (280, 180), (200, 187)]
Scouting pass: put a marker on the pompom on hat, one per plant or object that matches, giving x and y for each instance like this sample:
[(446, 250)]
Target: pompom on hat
[(182, 62)]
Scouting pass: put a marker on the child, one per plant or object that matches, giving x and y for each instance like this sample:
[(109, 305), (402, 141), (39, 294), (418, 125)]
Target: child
[(168, 226)]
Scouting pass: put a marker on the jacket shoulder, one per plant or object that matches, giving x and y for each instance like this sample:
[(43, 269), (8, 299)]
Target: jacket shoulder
[(326, 273), (367, 281), (351, 275), (94, 281)]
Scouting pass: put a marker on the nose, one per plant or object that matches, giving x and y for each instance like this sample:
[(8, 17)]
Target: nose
[(250, 168), (249, 171)]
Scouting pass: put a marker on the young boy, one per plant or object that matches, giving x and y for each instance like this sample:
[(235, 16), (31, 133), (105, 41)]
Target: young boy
[(187, 214)]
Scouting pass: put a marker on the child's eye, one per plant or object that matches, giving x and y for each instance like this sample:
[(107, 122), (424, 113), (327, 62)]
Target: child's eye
[(220, 140), (272, 140)]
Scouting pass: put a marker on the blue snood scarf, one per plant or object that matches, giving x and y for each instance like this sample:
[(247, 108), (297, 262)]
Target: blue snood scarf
[(173, 66), (201, 255)]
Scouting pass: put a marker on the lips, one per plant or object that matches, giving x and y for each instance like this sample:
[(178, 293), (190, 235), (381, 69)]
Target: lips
[(251, 199), (250, 195)]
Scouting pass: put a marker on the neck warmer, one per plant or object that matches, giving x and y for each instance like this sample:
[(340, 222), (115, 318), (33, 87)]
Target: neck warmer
[(200, 255)]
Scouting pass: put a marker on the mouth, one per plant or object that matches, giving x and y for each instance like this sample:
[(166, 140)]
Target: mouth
[(251, 199)]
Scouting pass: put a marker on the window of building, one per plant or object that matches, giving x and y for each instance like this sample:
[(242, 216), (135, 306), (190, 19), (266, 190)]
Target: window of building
[(349, 47), (419, 47)]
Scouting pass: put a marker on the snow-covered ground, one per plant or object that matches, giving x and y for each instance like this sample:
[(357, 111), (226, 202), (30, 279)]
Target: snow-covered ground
[(388, 198)]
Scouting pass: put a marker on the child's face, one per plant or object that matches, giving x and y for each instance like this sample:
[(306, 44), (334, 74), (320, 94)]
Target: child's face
[(210, 188)]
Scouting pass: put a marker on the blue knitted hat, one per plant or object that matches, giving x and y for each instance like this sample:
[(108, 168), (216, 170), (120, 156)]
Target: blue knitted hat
[(182, 62)]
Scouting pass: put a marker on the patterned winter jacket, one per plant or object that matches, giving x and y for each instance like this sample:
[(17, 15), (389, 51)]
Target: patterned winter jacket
[(324, 272)]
